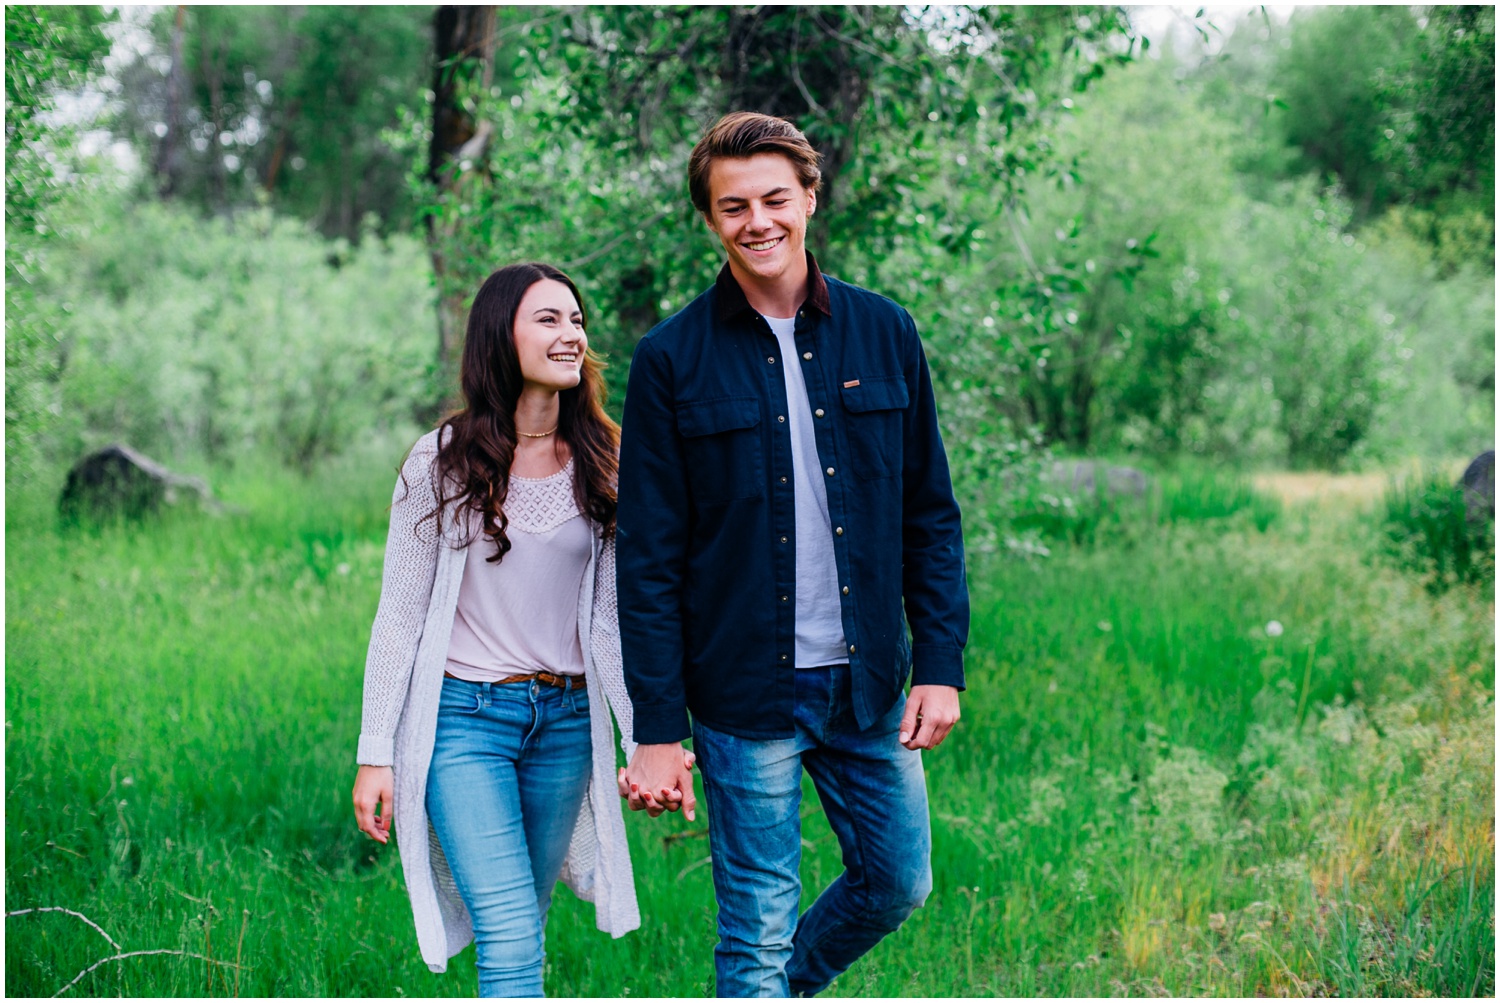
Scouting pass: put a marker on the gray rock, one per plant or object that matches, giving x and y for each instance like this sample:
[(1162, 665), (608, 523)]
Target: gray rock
[(1084, 477), (118, 481), (1479, 486)]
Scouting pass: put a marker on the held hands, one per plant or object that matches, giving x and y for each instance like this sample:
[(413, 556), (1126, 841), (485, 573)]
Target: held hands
[(660, 778), (931, 712), (374, 787)]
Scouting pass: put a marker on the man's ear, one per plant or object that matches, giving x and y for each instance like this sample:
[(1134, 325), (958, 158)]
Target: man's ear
[(708, 221), (812, 201)]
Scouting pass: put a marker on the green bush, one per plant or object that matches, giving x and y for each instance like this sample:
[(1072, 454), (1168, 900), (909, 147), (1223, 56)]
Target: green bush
[(1425, 526), (214, 338)]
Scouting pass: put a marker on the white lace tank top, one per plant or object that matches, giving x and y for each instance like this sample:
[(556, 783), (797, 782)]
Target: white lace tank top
[(521, 615)]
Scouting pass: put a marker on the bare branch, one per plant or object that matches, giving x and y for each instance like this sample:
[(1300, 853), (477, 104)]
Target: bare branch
[(70, 912), (136, 954)]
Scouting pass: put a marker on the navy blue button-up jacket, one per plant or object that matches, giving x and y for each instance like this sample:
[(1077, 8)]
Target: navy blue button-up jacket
[(706, 528)]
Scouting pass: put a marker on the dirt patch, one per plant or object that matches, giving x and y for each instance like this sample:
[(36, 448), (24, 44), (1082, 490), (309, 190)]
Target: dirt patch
[(1326, 489)]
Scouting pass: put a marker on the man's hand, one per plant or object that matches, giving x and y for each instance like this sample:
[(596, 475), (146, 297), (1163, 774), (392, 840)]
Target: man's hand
[(660, 778), (931, 712)]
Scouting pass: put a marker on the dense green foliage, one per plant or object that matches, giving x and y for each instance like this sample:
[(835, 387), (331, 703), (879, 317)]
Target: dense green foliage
[(1426, 526), (1398, 104), (214, 340), (1154, 788), (285, 103), (1106, 252), (1393, 104), (46, 48), (594, 113)]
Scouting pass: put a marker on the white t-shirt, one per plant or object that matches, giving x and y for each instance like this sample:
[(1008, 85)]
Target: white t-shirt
[(820, 627)]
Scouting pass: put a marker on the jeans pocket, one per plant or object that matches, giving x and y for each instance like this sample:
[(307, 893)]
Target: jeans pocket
[(459, 697), (579, 701)]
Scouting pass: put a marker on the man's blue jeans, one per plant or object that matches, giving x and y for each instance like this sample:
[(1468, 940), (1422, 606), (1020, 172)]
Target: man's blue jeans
[(875, 798), (510, 768)]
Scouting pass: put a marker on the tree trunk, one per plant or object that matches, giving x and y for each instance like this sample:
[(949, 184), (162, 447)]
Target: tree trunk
[(464, 39), (168, 166), (213, 74), (279, 151), (282, 67)]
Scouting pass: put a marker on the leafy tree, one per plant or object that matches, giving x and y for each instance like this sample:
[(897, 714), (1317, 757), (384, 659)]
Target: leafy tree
[(1321, 344), (1398, 104), (47, 48), (594, 110), (1444, 105), (1337, 79), (285, 103), (1131, 325)]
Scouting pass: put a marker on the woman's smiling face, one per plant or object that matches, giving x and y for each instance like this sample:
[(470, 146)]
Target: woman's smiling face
[(549, 336)]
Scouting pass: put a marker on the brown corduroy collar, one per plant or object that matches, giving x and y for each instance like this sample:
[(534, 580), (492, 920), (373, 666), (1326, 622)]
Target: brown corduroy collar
[(731, 300)]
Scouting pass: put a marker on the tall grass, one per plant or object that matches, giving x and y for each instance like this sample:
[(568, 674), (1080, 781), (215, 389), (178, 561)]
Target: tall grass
[(1191, 493), (1425, 526), (1150, 791)]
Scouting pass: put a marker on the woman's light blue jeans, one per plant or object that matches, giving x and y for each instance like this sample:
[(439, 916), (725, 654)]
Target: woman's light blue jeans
[(510, 768)]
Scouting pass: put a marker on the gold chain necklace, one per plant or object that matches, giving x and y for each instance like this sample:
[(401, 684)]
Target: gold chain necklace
[(537, 435)]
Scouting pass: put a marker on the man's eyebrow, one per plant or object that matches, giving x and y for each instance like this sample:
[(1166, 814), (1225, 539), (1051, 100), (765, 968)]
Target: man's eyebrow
[(740, 198)]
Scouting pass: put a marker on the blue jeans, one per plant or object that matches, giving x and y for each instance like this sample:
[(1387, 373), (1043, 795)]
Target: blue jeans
[(510, 768), (875, 798)]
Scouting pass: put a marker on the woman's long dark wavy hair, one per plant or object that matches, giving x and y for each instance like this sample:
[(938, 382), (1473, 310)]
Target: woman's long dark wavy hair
[(477, 444)]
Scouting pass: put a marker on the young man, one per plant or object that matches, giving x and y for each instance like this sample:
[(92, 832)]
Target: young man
[(783, 490)]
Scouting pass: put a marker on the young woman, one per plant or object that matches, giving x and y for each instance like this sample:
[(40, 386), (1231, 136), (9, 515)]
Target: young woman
[(486, 737)]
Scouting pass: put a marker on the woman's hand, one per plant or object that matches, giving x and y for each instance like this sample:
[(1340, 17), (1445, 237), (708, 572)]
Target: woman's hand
[(374, 787), (653, 769)]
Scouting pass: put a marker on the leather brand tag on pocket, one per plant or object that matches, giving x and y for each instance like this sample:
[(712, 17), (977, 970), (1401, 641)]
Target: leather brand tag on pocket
[(851, 383)]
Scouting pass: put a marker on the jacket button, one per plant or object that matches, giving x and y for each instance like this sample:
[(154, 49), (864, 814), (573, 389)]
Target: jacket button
[(771, 359), (838, 531), (783, 539), (783, 598), (783, 658), (819, 412), (781, 417), (851, 649), (783, 480), (830, 471), (846, 590), (807, 356)]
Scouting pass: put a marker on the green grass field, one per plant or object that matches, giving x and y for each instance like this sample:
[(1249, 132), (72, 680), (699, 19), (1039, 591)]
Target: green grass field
[(1154, 788)]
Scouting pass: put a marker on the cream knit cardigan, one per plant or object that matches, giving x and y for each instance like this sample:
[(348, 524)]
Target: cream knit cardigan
[(403, 683)]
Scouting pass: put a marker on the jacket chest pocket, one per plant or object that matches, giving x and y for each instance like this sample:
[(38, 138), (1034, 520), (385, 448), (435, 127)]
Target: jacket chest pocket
[(721, 443), (874, 410)]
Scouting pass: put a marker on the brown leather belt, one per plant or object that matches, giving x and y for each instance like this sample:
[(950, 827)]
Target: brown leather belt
[(545, 678)]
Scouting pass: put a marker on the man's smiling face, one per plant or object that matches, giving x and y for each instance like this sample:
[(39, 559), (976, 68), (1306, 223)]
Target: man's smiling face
[(759, 211)]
